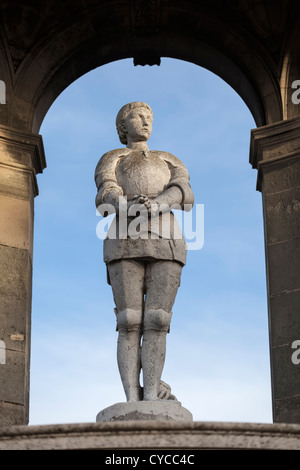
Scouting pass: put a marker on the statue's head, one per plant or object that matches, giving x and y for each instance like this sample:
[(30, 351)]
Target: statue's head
[(134, 122)]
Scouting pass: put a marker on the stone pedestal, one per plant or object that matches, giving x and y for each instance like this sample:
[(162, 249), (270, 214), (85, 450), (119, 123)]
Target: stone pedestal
[(161, 410)]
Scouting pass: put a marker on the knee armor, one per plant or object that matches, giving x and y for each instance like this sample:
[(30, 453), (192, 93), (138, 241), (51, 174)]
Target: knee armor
[(157, 320), (129, 319)]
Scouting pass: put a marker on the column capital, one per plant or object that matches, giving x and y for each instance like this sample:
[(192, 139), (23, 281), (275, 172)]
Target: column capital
[(23, 152), (274, 143)]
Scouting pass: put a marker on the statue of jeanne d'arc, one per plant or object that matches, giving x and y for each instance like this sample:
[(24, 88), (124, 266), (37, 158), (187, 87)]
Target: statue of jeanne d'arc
[(144, 272)]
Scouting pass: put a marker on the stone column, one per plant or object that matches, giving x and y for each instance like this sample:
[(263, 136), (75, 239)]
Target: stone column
[(275, 152), (21, 157)]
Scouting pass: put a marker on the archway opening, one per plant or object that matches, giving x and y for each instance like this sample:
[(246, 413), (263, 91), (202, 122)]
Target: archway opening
[(217, 351)]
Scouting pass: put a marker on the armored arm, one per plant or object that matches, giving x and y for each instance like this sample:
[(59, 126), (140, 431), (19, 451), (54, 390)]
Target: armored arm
[(108, 190), (178, 191)]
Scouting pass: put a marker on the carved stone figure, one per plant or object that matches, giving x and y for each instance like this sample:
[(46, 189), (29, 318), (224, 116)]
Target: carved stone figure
[(144, 271)]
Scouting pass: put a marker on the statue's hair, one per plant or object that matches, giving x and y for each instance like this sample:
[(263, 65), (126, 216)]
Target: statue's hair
[(124, 111)]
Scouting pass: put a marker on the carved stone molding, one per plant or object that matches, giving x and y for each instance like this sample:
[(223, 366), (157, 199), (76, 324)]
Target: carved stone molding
[(274, 143), (22, 152)]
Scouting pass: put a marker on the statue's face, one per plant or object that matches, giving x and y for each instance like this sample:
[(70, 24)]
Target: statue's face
[(138, 125)]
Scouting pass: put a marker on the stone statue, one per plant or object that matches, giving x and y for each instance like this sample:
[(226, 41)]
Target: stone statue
[(144, 272)]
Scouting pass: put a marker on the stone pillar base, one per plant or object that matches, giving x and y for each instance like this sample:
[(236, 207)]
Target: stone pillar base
[(160, 410)]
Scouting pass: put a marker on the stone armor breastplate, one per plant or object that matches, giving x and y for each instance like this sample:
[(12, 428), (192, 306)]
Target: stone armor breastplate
[(142, 173)]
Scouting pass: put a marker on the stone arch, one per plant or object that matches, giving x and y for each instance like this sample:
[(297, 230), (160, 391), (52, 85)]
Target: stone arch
[(178, 47), (83, 42), (260, 102)]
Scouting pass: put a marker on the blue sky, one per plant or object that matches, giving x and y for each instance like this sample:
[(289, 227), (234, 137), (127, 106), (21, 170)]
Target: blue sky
[(217, 359)]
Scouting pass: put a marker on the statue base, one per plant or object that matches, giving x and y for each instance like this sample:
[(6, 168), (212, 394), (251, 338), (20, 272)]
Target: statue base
[(160, 410)]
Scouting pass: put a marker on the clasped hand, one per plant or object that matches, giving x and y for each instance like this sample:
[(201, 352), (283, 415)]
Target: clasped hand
[(151, 205)]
